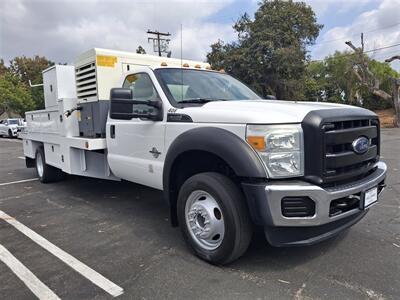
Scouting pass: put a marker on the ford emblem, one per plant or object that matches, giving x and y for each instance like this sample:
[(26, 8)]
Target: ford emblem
[(360, 145)]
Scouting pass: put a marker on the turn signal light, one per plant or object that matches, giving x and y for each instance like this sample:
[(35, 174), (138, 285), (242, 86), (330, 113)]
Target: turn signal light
[(257, 142)]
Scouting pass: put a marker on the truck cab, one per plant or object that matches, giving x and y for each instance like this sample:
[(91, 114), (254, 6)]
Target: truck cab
[(226, 159)]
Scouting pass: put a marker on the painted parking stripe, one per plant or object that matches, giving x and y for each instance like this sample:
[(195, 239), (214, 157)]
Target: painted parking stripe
[(84, 270), (31, 281), (21, 157), (19, 181)]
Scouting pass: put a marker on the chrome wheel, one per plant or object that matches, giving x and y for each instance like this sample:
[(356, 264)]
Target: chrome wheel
[(39, 165), (204, 220)]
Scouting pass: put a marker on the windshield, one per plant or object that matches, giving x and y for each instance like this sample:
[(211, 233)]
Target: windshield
[(13, 122), (191, 86)]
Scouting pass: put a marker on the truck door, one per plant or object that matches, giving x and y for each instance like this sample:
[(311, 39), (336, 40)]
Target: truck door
[(136, 146)]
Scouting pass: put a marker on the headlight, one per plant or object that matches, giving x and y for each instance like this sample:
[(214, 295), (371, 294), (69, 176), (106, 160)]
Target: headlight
[(280, 148)]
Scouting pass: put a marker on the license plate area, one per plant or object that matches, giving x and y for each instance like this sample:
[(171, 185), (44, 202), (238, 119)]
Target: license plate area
[(369, 197)]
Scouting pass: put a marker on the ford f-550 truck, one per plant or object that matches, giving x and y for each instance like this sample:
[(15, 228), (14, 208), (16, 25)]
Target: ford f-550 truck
[(226, 160)]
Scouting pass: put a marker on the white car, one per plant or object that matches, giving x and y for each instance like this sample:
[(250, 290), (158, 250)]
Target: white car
[(9, 127)]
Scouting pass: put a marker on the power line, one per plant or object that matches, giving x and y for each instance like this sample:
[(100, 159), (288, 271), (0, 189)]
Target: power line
[(356, 34), (367, 51), (386, 54), (381, 48)]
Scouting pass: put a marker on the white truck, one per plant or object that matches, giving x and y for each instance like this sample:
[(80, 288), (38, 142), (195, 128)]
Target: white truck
[(226, 160)]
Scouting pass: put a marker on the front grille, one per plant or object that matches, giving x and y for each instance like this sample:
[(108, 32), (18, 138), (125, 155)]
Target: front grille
[(86, 82), (328, 136), (340, 161), (299, 207)]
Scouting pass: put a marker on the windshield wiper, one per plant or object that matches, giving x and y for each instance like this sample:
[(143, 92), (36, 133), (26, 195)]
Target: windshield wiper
[(201, 100)]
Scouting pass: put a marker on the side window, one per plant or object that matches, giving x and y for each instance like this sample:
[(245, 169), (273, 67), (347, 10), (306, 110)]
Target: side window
[(142, 89)]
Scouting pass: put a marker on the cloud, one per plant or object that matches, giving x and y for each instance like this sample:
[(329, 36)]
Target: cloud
[(61, 30), (381, 27), (324, 7)]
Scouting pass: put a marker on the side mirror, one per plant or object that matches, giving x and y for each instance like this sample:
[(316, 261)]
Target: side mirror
[(122, 106)]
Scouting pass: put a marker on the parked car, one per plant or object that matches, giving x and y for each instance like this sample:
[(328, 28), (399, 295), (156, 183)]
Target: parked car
[(9, 127)]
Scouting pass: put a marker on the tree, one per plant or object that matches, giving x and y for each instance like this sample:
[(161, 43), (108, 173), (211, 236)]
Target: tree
[(364, 74), (270, 51), (26, 68), (334, 80), (140, 50), (14, 95), (3, 68)]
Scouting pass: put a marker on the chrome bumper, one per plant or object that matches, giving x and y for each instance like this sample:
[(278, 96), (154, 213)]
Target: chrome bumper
[(321, 196)]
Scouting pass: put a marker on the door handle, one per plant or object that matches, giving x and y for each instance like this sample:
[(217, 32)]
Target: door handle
[(112, 131)]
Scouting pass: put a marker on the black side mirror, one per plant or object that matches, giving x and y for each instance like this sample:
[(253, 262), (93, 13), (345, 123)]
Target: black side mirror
[(121, 106)]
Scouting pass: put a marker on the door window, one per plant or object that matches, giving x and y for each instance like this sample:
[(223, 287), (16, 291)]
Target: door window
[(142, 89)]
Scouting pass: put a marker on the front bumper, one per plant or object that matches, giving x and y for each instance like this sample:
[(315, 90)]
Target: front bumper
[(265, 208)]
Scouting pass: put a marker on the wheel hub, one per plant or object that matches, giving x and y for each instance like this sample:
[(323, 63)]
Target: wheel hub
[(39, 165), (204, 220)]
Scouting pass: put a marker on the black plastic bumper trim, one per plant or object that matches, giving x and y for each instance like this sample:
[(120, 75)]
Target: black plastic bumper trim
[(305, 236)]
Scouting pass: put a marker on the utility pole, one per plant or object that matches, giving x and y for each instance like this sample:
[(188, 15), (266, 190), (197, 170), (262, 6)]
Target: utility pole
[(160, 44), (362, 41)]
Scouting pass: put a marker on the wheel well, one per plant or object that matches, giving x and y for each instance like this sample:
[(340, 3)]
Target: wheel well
[(190, 163)]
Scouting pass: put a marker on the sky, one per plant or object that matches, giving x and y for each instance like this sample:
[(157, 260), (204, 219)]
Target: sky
[(63, 29)]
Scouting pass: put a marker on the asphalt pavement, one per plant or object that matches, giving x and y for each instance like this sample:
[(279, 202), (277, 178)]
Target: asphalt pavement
[(117, 234)]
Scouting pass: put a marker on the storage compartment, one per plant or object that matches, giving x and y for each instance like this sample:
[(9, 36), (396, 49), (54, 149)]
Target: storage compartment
[(53, 155), (58, 82), (68, 117)]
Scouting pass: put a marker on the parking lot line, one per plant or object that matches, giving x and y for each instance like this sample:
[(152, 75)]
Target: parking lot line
[(19, 181), (31, 281), (71, 261)]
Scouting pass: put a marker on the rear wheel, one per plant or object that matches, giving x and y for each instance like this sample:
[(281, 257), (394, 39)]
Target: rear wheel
[(214, 218), (45, 172)]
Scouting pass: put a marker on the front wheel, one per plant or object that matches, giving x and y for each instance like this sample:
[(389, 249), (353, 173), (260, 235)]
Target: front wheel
[(214, 218), (10, 133)]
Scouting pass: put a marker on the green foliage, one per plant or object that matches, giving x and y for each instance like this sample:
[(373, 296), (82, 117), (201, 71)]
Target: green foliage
[(26, 68), (14, 95), (270, 51), (140, 50), (333, 80)]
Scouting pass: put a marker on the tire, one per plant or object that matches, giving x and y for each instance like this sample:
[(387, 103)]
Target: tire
[(220, 208), (45, 172), (10, 134)]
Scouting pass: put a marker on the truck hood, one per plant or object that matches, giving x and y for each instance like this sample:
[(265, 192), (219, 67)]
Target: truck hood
[(255, 111)]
